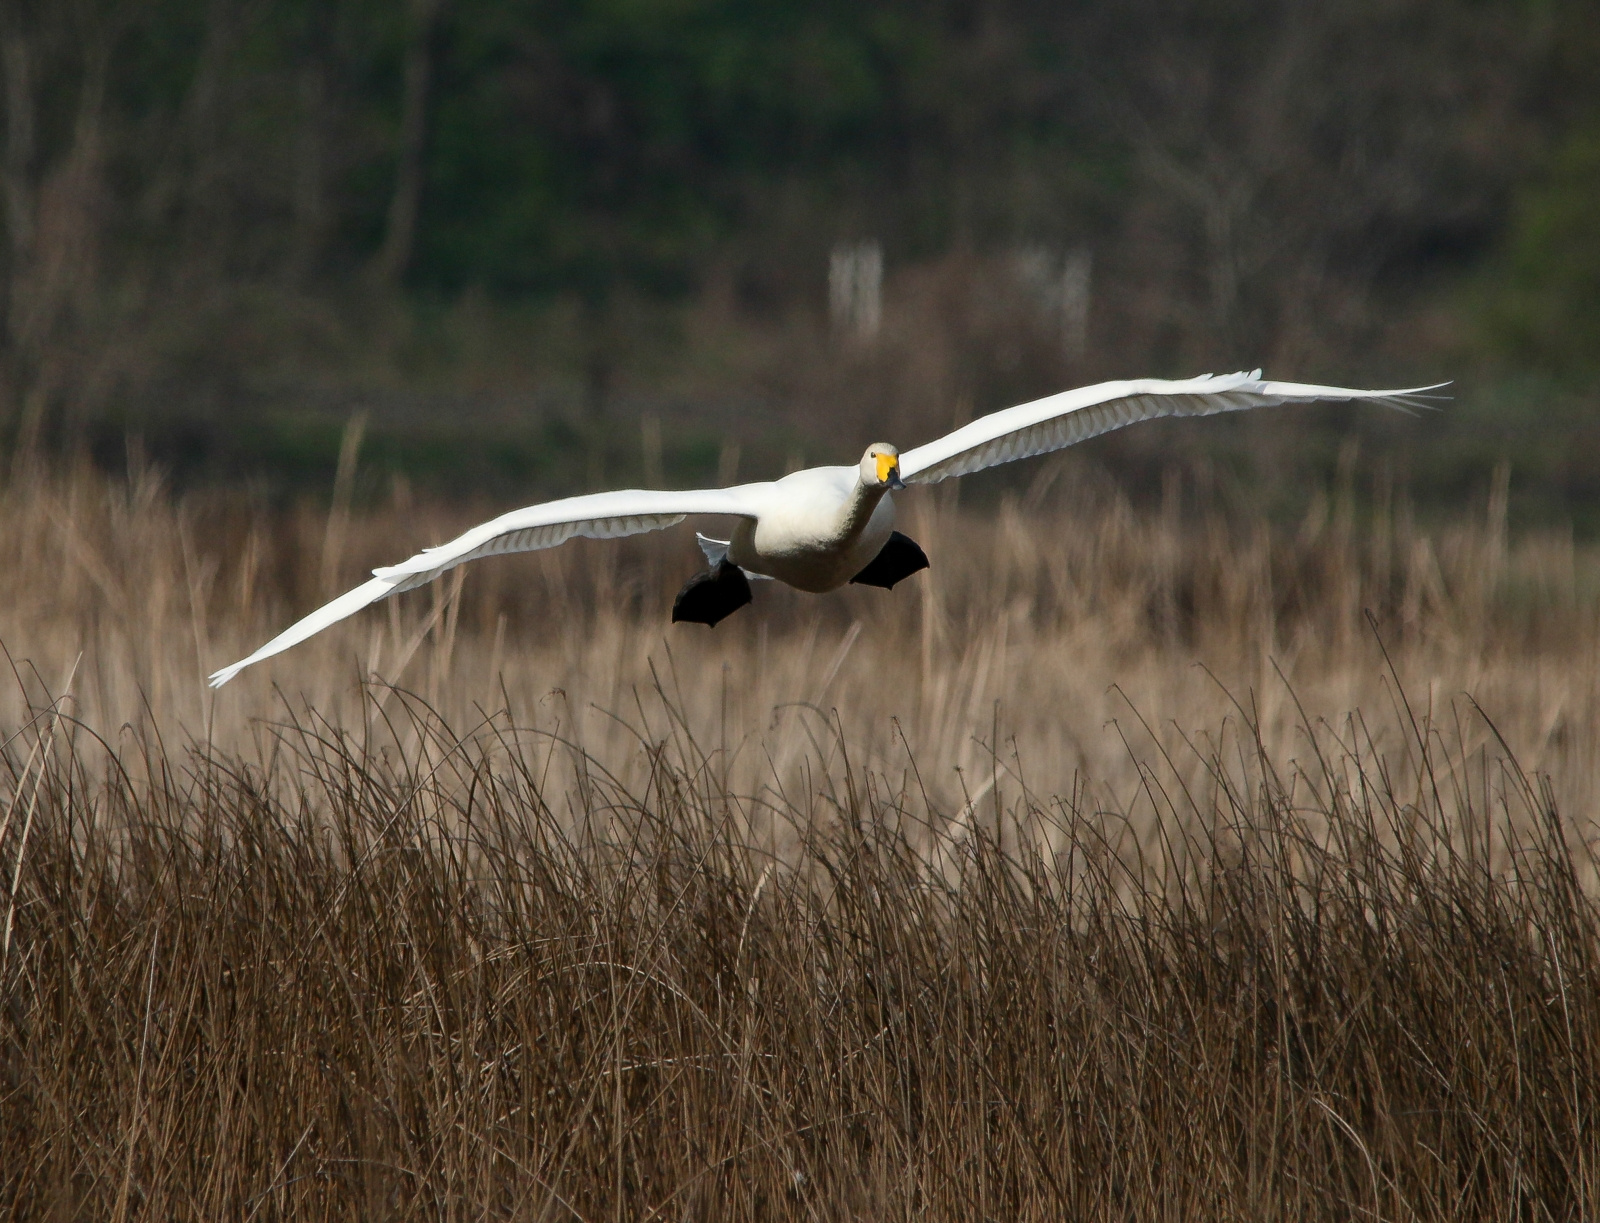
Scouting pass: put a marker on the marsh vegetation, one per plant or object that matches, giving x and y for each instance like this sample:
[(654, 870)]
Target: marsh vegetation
[(1126, 863)]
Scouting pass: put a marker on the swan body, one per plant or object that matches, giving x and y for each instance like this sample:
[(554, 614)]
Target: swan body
[(820, 528), (814, 529)]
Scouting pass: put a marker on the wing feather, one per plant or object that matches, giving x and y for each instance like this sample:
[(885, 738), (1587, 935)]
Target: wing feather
[(1075, 416), (595, 516)]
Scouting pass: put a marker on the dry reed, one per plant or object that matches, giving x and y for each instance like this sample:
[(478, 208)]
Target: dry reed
[(984, 898)]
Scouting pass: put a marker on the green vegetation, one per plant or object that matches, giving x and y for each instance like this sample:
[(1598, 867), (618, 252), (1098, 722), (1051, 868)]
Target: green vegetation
[(223, 218), (1545, 306)]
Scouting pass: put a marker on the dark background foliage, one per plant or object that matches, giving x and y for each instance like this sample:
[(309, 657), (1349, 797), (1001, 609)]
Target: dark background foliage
[(509, 233)]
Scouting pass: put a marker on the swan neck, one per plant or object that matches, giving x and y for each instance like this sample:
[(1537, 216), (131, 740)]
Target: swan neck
[(858, 510)]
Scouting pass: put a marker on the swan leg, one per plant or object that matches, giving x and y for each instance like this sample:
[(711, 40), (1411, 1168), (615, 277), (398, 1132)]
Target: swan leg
[(899, 558), (707, 598), (716, 550)]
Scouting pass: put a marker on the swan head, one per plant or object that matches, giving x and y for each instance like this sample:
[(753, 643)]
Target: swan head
[(880, 466)]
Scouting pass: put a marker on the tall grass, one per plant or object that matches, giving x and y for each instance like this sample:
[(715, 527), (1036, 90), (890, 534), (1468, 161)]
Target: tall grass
[(871, 906), (1049, 621)]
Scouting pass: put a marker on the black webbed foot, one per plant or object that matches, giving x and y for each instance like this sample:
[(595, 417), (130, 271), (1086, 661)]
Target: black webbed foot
[(899, 558), (707, 598)]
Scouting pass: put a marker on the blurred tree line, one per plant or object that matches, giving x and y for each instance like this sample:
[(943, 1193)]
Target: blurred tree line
[(202, 198)]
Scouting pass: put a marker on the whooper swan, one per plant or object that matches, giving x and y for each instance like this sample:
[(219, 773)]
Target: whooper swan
[(820, 528)]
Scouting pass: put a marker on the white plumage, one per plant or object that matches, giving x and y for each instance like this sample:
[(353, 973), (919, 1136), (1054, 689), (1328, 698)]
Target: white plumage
[(819, 528)]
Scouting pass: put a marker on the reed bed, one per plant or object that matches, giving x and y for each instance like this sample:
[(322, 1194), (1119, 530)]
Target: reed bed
[(1133, 864), (1064, 621)]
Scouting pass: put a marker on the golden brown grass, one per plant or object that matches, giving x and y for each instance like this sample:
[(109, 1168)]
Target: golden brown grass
[(1052, 619), (1124, 865)]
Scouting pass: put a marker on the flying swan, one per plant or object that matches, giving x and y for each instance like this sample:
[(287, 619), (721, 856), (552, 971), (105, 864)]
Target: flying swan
[(823, 527)]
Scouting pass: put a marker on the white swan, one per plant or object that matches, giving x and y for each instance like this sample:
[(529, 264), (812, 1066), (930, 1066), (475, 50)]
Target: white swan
[(820, 528)]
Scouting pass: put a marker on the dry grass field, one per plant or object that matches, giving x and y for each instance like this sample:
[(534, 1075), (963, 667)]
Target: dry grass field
[(1126, 865)]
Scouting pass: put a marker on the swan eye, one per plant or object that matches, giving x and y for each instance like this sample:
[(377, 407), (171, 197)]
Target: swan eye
[(886, 465)]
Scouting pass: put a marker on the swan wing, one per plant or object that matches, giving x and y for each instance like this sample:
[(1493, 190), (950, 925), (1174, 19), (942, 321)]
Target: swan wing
[(1074, 416), (595, 516)]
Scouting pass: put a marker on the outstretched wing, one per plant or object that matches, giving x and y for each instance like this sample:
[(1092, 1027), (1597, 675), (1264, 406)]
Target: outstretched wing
[(1074, 416), (595, 516)]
